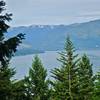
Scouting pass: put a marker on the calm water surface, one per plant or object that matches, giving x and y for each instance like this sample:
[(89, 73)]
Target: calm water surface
[(49, 60)]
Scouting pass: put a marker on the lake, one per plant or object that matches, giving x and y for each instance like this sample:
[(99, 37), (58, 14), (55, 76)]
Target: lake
[(49, 60)]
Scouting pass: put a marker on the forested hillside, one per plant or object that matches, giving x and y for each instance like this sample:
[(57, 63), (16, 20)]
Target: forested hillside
[(51, 37)]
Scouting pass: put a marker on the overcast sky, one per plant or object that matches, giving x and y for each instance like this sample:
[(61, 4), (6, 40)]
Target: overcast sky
[(28, 12)]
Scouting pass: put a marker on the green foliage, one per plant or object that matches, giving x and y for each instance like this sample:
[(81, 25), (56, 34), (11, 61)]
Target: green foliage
[(66, 80), (7, 50), (72, 81), (5, 83), (97, 87), (7, 47), (85, 79), (36, 82), (19, 90)]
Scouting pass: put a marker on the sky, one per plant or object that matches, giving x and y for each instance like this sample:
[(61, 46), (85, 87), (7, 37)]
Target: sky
[(52, 12)]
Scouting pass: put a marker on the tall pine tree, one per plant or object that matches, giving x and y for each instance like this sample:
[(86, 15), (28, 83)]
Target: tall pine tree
[(7, 50), (86, 83), (36, 83), (66, 80)]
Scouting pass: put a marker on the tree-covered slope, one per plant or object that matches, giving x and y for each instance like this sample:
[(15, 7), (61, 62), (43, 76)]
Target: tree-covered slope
[(51, 37)]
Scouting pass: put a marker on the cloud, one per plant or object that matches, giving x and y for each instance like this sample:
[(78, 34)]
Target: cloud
[(90, 14), (40, 11)]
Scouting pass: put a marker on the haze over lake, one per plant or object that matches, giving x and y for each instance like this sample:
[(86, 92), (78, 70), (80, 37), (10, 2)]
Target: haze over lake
[(49, 60)]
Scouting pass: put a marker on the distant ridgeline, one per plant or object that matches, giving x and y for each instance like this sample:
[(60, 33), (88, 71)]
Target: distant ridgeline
[(51, 37), (27, 52)]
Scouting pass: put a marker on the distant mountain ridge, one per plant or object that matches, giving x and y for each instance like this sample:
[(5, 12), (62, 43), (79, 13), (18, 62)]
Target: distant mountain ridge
[(52, 37)]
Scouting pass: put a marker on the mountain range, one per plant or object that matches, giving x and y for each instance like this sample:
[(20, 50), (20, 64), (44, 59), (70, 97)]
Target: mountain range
[(40, 38)]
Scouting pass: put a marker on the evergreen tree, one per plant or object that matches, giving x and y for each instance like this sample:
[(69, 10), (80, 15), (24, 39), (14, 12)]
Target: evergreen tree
[(5, 83), (19, 90), (7, 50), (66, 80), (97, 87), (36, 82), (85, 79)]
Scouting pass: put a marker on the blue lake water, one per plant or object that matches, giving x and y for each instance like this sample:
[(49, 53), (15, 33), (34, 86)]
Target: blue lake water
[(49, 60)]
